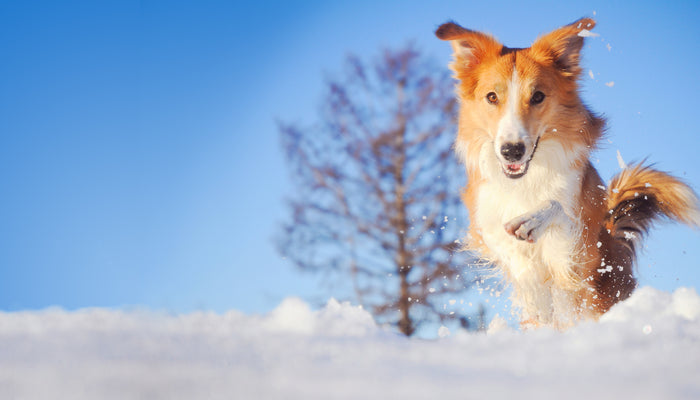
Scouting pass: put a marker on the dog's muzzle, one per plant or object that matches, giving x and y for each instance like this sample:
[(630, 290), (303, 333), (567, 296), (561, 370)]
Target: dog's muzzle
[(513, 154)]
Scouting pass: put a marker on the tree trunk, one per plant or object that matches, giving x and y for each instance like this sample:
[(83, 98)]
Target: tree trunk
[(403, 257), (403, 266)]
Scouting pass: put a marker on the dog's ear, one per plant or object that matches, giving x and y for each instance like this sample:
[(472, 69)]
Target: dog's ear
[(470, 47), (562, 47)]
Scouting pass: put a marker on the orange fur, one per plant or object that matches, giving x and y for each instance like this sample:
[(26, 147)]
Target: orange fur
[(525, 138)]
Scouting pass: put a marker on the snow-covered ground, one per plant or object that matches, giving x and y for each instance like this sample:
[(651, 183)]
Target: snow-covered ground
[(645, 348)]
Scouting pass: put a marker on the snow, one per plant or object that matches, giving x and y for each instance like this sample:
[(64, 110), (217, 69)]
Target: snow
[(647, 347), (630, 235), (587, 33), (443, 332), (620, 161)]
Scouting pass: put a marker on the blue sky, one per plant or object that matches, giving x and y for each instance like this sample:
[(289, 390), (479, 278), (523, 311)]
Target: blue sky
[(140, 161)]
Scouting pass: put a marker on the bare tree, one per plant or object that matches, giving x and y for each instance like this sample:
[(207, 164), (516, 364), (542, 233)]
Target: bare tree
[(376, 189)]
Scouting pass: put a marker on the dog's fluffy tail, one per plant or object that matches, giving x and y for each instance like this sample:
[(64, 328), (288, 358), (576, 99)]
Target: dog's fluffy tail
[(640, 195)]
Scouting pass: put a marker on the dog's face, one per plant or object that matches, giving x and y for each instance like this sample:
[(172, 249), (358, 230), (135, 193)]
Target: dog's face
[(516, 98)]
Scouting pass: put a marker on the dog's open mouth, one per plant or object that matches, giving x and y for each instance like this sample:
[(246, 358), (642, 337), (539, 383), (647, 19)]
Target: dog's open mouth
[(519, 169), (515, 170)]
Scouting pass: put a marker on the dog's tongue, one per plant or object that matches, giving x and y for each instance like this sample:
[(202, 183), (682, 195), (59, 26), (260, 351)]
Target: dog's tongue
[(514, 167)]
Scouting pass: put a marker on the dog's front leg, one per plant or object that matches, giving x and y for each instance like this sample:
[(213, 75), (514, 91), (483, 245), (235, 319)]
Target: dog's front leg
[(530, 226)]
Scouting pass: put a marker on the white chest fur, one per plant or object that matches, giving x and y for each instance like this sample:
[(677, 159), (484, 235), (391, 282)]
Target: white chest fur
[(540, 272)]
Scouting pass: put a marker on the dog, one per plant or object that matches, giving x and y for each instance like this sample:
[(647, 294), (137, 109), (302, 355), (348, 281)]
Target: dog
[(539, 211)]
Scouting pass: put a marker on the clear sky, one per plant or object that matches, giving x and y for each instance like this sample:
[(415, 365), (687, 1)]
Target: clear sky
[(140, 162)]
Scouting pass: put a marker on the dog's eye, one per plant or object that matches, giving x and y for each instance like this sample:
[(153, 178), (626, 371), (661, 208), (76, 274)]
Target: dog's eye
[(492, 98), (537, 98)]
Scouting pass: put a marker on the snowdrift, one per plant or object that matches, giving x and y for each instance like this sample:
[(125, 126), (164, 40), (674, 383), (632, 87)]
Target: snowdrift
[(647, 347)]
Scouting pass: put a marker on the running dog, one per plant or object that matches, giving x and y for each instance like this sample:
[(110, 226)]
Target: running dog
[(539, 211)]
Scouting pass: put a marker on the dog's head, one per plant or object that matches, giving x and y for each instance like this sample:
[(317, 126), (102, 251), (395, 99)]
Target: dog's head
[(516, 98)]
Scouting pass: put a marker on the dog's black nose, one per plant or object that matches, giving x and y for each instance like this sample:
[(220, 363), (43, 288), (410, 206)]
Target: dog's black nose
[(513, 151)]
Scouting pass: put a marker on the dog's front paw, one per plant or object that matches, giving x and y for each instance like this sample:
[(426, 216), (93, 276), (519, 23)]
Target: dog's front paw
[(531, 226), (526, 227)]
